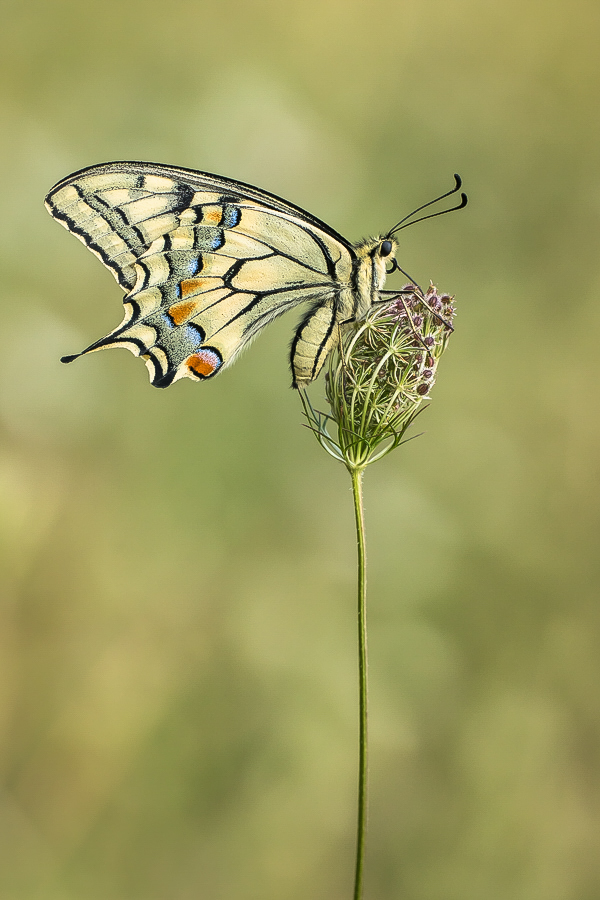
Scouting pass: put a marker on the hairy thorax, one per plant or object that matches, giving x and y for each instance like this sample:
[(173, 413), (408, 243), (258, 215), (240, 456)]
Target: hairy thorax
[(370, 273)]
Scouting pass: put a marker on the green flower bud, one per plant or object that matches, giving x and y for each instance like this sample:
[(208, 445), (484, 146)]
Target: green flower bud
[(380, 373)]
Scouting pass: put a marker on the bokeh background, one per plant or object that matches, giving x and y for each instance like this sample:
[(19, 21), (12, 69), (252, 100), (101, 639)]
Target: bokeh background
[(178, 665)]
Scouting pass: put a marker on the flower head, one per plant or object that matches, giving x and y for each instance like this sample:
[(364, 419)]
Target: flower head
[(380, 373)]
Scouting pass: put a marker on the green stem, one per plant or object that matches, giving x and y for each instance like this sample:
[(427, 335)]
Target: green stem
[(356, 475)]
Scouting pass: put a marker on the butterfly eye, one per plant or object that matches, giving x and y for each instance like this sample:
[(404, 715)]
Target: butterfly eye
[(385, 248)]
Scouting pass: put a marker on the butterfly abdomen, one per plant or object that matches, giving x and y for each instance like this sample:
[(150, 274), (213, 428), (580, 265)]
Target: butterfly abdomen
[(317, 335)]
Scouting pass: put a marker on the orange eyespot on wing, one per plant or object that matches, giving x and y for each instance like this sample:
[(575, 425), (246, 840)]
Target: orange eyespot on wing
[(204, 362)]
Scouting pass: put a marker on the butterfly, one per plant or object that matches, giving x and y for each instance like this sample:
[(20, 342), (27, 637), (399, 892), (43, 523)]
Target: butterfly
[(207, 262)]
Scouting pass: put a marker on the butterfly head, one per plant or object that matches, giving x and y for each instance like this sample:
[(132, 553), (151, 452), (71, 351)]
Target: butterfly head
[(383, 252)]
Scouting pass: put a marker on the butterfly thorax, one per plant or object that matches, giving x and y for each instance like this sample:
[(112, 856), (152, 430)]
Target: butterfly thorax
[(319, 331), (370, 271)]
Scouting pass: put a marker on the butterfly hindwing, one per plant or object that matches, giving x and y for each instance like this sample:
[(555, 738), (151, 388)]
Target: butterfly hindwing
[(205, 262)]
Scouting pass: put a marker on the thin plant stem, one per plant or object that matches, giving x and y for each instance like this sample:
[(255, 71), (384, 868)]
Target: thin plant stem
[(356, 475), (379, 375)]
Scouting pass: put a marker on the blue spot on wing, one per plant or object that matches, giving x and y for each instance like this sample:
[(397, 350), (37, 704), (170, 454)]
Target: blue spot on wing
[(194, 334), (194, 266), (231, 217)]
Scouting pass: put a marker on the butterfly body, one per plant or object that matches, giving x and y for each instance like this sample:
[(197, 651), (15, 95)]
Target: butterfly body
[(207, 263)]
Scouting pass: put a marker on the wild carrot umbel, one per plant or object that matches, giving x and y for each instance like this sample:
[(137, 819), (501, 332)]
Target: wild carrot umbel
[(378, 377)]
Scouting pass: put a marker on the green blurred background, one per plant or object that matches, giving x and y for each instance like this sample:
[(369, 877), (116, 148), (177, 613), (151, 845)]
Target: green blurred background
[(177, 684)]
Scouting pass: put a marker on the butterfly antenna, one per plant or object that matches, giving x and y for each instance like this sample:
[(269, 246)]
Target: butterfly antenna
[(463, 202), (461, 205)]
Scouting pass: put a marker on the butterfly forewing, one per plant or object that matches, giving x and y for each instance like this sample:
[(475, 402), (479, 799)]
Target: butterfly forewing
[(205, 262)]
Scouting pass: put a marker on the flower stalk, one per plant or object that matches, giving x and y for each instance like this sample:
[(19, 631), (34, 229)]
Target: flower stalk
[(378, 377), (361, 826)]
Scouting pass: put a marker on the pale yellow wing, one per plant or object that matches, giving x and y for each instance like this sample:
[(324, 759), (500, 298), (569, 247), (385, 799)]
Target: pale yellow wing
[(206, 262)]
